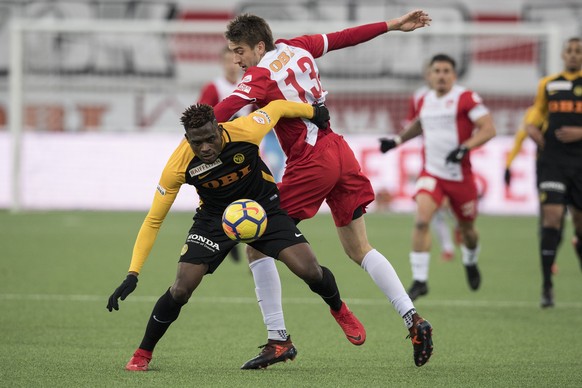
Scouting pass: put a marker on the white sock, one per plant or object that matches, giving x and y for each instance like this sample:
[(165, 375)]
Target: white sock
[(419, 263), (470, 256), (386, 278), (268, 291)]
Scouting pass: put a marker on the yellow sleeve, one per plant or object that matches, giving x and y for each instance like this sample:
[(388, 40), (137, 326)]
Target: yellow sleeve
[(255, 126), (520, 136), (537, 113), (173, 177)]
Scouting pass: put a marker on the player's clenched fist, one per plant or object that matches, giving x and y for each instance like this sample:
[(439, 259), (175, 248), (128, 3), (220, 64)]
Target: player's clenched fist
[(320, 116), (456, 155)]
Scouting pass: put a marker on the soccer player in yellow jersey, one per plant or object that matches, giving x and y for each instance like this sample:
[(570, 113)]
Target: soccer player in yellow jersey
[(559, 102), (223, 163)]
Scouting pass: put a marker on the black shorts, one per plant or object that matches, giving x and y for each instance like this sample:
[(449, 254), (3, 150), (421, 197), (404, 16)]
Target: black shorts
[(560, 184), (207, 243)]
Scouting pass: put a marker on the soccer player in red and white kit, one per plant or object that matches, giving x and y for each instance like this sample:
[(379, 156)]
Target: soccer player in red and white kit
[(439, 222), (320, 164), (453, 121)]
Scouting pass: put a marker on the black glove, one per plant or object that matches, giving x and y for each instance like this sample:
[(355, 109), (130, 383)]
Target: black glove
[(456, 155), (507, 177), (387, 144), (320, 116), (126, 288)]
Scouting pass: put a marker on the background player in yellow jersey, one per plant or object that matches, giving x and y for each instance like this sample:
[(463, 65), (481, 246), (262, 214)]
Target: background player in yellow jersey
[(519, 138), (223, 163), (559, 102)]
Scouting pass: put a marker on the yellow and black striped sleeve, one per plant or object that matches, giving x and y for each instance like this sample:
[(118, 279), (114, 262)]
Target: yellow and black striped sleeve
[(255, 126), (173, 177)]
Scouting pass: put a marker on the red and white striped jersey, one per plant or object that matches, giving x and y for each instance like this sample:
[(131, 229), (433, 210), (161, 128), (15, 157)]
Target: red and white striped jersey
[(447, 121), (289, 72)]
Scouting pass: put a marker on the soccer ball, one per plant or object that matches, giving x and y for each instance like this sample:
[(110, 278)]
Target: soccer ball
[(244, 220)]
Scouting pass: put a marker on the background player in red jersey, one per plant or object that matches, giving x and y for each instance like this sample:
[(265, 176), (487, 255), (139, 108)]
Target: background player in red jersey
[(447, 115), (440, 221), (559, 166), (320, 164), (220, 87)]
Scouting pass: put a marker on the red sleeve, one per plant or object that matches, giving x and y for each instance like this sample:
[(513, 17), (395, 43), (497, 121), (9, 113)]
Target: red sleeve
[(252, 89), (412, 112), (227, 108), (355, 35), (312, 43), (209, 95), (468, 100), (318, 46)]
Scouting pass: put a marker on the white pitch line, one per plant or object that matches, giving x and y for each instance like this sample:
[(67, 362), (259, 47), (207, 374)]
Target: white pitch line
[(242, 300)]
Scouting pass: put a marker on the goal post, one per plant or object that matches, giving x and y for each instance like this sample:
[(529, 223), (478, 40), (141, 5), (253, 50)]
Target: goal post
[(122, 78)]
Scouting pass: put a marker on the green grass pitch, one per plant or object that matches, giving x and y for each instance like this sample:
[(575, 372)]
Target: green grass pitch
[(57, 270)]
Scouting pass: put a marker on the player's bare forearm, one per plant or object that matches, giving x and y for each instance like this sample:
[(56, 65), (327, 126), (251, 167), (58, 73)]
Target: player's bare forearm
[(409, 22), (569, 134), (413, 130), (536, 134)]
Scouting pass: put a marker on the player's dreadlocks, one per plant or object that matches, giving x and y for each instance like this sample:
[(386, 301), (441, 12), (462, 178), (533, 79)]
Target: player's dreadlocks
[(250, 29), (197, 115)]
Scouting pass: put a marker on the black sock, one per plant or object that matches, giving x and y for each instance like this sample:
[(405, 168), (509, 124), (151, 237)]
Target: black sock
[(327, 289), (165, 312), (578, 247), (549, 246)]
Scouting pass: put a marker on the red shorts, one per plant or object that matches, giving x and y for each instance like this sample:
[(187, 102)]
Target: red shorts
[(462, 195), (331, 173)]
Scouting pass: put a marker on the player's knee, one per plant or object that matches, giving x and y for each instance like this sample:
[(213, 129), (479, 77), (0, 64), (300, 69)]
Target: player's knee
[(253, 254), (421, 226), (312, 272), (180, 294)]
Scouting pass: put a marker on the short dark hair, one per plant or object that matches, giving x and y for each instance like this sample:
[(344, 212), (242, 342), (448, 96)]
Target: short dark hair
[(574, 39), (443, 58), (250, 29), (195, 116)]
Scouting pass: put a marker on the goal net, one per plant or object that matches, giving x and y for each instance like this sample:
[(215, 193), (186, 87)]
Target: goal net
[(95, 104)]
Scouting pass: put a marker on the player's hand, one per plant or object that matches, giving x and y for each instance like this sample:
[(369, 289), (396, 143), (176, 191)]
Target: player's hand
[(507, 177), (320, 116), (410, 22), (127, 287), (387, 144), (456, 155), (568, 134)]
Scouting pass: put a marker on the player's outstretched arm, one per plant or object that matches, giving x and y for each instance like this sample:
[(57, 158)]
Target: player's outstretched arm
[(413, 130), (409, 22)]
